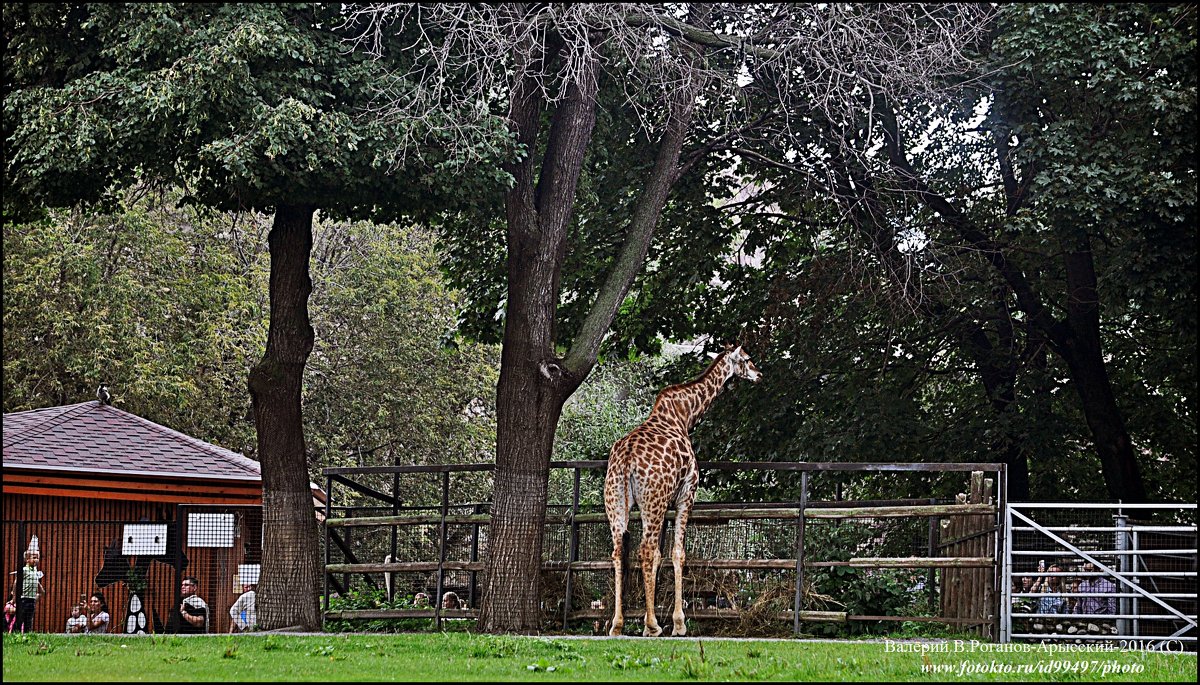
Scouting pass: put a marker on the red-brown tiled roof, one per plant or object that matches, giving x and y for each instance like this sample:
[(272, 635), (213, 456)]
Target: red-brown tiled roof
[(91, 437)]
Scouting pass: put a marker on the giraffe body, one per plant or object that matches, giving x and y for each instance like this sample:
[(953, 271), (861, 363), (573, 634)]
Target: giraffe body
[(653, 466)]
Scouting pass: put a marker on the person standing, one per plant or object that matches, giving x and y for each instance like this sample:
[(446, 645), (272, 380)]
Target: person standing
[(244, 616), (30, 580), (191, 616)]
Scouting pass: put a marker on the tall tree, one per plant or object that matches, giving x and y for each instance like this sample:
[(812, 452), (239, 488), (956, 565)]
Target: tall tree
[(246, 107), (541, 68), (1038, 216)]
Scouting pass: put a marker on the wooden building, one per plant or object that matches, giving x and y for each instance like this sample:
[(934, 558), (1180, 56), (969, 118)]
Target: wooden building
[(128, 507)]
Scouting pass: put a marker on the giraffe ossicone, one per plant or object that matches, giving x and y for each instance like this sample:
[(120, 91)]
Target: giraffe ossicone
[(653, 465)]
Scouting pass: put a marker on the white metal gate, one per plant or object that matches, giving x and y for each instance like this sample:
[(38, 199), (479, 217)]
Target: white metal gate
[(1121, 573)]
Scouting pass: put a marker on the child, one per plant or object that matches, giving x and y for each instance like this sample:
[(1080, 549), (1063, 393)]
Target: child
[(78, 622), (10, 614), (31, 587)]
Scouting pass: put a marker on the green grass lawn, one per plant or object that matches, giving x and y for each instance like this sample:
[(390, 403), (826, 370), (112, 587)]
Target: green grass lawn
[(467, 657)]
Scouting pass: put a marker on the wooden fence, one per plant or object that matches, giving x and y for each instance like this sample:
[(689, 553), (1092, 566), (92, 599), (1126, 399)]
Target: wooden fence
[(969, 572)]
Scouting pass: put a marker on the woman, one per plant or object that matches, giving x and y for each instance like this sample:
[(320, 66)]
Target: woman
[(98, 616)]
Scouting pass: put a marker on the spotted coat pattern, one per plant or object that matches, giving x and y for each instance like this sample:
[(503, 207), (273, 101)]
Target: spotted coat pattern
[(654, 466)]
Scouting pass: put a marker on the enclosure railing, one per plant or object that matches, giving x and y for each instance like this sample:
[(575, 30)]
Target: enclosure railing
[(1126, 573), (801, 511)]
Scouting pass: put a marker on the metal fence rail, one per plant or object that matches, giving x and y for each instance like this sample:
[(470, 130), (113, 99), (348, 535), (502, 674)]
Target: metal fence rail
[(1101, 572)]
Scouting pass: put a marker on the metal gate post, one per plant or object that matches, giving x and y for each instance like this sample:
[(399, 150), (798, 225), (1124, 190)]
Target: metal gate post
[(1125, 563), (1005, 561)]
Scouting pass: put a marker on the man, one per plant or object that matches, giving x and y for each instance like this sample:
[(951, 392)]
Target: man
[(1096, 584), (191, 616)]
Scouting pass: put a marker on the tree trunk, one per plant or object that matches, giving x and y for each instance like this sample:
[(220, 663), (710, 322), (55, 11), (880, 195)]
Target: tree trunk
[(289, 584), (533, 382), (999, 382), (1082, 351), (528, 408), (1077, 340)]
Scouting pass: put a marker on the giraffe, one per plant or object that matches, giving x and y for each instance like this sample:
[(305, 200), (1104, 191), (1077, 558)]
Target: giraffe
[(655, 464)]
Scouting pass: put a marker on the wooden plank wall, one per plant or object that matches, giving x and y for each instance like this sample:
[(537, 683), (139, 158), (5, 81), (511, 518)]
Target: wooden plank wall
[(72, 554)]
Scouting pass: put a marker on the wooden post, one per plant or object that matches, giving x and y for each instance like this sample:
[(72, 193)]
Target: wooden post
[(328, 511), (987, 576), (798, 602), (390, 579), (974, 600), (474, 557), (573, 553), (931, 542), (1000, 547), (441, 572)]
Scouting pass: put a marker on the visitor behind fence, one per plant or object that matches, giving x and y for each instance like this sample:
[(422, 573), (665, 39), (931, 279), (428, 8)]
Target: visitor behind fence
[(1050, 584), (450, 600), (98, 617), (10, 614), (243, 613), (30, 579), (1095, 584), (191, 616), (76, 622)]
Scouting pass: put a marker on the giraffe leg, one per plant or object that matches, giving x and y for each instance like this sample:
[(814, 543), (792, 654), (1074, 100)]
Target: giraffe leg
[(618, 619), (683, 509), (651, 557), (616, 507)]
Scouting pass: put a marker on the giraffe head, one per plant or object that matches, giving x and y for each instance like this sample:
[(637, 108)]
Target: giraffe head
[(742, 367)]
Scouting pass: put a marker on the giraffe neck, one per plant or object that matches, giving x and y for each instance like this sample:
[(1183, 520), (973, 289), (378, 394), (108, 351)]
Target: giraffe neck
[(687, 402)]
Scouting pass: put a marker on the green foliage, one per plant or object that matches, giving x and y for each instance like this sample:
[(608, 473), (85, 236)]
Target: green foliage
[(381, 386), (247, 106), (857, 591), (167, 305), (1101, 106), (375, 599), (615, 398), (153, 300)]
